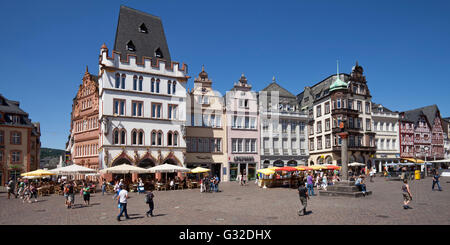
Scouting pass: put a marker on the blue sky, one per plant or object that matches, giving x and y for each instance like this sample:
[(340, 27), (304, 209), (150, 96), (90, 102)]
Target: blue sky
[(403, 46)]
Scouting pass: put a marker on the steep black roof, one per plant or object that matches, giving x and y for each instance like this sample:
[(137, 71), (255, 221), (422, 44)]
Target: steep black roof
[(142, 33), (430, 112)]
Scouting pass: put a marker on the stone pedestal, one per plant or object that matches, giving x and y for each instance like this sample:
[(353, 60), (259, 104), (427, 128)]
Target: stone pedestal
[(343, 188)]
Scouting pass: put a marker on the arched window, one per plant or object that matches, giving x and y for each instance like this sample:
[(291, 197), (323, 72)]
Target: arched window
[(134, 137), (152, 85), (174, 85), (169, 138), (116, 136), (157, 85), (153, 138), (140, 83), (123, 81), (135, 83), (169, 89), (117, 80), (141, 137), (122, 137), (175, 139), (160, 135)]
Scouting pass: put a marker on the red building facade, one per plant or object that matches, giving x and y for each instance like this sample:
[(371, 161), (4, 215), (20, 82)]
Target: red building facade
[(421, 134), (84, 124)]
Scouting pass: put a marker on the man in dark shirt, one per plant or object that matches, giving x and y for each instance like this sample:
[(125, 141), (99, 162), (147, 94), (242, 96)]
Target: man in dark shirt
[(303, 194), (436, 176), (149, 201)]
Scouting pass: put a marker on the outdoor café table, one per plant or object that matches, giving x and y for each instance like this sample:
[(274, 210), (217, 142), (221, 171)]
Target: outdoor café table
[(194, 183)]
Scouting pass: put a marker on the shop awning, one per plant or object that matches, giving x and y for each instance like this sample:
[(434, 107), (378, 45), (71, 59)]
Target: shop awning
[(265, 171), (414, 160)]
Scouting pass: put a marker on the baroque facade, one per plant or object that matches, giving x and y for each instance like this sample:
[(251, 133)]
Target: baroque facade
[(20, 143), (243, 130), (206, 128), (142, 96)]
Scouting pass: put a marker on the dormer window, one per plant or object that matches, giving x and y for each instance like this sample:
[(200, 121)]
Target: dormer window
[(143, 28), (158, 53), (130, 46)]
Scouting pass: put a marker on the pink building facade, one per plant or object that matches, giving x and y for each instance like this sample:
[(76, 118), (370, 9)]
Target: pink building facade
[(242, 131)]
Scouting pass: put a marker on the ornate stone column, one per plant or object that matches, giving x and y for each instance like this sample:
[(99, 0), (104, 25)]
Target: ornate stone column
[(344, 155)]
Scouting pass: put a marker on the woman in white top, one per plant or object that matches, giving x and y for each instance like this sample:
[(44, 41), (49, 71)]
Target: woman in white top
[(324, 182)]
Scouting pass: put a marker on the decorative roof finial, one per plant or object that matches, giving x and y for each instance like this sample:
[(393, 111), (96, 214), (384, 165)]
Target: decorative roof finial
[(337, 64), (87, 71), (273, 78), (104, 46), (356, 63), (203, 67)]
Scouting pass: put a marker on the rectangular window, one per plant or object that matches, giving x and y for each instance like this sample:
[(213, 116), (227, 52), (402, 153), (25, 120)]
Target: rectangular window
[(367, 107), (327, 124), (172, 111), (311, 144), (218, 121), (15, 156), (2, 137), (327, 107), (368, 125), (359, 106), (253, 142), (16, 138), (247, 145), (156, 110), (319, 127), (328, 141), (318, 110), (247, 122), (240, 145), (234, 145), (2, 153)]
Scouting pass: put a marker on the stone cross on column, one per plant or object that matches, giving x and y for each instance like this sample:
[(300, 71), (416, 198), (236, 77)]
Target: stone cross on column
[(344, 155)]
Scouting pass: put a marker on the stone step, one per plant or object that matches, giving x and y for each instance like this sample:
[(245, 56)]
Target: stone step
[(342, 188), (347, 194), (345, 183)]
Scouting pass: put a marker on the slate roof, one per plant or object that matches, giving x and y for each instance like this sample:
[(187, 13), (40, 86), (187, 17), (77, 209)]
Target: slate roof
[(375, 107), (282, 91), (10, 106), (429, 111), (128, 29), (320, 89)]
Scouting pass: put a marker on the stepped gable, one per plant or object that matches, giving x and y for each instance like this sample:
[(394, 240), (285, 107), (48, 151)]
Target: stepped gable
[(140, 34)]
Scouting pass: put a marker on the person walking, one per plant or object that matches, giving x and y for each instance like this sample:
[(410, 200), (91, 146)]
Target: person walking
[(216, 183), (103, 187), (122, 198), (436, 177), (86, 194), (324, 182), (70, 195), (21, 188), (303, 194), (10, 188), (26, 194), (116, 190), (310, 184), (33, 191), (407, 197), (149, 200), (372, 174)]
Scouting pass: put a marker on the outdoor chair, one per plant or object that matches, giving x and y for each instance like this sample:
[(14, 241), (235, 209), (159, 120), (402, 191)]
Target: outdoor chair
[(189, 185)]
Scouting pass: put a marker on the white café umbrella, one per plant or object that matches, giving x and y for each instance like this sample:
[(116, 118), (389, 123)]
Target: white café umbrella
[(73, 169), (167, 168), (356, 164), (123, 169)]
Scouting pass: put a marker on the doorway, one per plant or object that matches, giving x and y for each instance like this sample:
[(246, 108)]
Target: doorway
[(215, 170)]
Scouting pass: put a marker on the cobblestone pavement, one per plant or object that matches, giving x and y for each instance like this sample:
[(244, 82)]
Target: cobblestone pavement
[(243, 205)]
